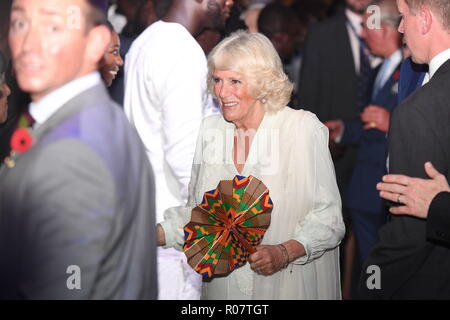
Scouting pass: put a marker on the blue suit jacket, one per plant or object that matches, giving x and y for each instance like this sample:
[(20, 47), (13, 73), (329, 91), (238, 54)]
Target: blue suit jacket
[(411, 78), (372, 153)]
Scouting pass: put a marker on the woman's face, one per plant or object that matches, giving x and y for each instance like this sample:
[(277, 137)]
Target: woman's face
[(111, 61), (231, 89), (4, 94)]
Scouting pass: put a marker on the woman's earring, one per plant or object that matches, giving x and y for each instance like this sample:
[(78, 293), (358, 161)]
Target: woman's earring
[(264, 100)]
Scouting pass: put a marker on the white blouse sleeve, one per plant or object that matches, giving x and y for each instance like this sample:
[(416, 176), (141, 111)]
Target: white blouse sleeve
[(322, 228)]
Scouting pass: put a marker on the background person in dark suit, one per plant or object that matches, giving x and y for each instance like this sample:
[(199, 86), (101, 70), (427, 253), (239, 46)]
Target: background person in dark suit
[(76, 196), (334, 84), (411, 266), (367, 209)]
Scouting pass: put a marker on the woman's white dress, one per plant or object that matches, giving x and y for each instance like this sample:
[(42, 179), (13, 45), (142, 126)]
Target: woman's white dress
[(289, 153)]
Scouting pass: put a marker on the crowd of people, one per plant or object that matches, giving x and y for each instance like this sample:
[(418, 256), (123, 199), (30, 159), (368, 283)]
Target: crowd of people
[(117, 116)]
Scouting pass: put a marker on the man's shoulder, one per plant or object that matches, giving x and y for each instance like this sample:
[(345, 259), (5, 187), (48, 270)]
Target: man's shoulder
[(164, 45), (160, 36), (430, 93), (91, 118)]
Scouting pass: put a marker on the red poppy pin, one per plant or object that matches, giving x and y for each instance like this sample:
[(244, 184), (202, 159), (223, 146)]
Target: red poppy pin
[(397, 75), (21, 140)]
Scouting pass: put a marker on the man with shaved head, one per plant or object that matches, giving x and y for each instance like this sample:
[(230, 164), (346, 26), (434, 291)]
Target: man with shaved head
[(76, 193)]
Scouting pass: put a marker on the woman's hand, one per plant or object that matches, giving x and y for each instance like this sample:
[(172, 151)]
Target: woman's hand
[(267, 260)]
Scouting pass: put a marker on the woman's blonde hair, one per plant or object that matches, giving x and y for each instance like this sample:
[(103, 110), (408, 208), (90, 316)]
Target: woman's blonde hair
[(253, 56)]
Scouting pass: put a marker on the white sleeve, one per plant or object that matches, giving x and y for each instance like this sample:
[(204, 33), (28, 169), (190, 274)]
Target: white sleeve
[(323, 227)]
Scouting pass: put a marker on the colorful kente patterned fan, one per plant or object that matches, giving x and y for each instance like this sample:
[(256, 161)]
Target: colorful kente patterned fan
[(227, 226)]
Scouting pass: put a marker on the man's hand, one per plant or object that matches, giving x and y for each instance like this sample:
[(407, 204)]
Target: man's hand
[(376, 117), (336, 128), (416, 194)]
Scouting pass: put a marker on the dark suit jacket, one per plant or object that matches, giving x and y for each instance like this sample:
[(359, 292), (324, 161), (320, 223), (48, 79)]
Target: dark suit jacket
[(438, 223), (411, 266), (328, 80), (328, 83), (82, 196), (372, 153)]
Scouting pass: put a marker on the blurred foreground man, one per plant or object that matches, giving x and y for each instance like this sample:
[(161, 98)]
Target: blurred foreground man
[(76, 195)]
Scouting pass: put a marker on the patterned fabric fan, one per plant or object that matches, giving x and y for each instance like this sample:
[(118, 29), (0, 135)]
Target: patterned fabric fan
[(227, 226)]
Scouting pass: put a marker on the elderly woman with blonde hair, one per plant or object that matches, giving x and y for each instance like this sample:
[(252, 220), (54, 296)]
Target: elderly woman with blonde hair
[(288, 151)]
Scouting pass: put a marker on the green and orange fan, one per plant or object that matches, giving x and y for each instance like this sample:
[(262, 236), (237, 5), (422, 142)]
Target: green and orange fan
[(227, 226)]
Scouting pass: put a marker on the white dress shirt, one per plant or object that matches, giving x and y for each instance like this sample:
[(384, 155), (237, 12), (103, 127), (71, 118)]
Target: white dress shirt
[(386, 70), (356, 21), (49, 104), (436, 63)]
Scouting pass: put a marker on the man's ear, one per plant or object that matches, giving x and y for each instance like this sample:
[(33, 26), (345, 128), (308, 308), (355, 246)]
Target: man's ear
[(99, 39), (426, 20)]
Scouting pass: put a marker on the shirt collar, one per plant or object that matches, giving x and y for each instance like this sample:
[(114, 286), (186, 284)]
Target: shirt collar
[(394, 59), (438, 61), (355, 20), (48, 105)]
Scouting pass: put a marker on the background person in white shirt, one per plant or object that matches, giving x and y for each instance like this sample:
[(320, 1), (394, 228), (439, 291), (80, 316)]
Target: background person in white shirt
[(166, 100)]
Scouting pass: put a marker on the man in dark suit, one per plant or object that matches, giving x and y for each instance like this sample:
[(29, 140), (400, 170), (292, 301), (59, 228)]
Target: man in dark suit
[(368, 212), (422, 198), (334, 85), (329, 77), (76, 194), (411, 266)]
